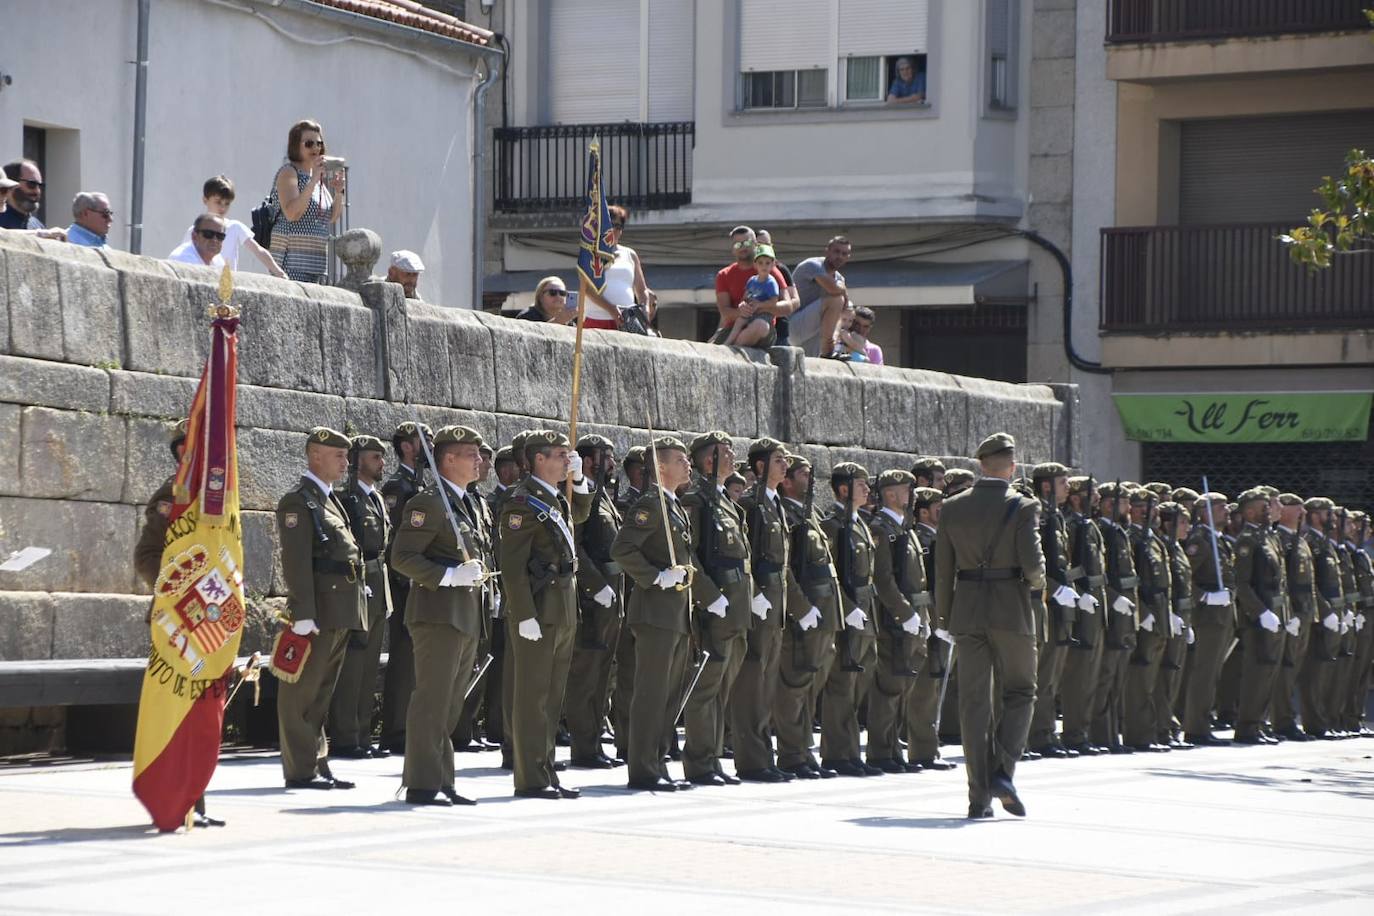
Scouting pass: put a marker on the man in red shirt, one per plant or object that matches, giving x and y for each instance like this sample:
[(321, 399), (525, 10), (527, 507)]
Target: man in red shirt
[(730, 283)]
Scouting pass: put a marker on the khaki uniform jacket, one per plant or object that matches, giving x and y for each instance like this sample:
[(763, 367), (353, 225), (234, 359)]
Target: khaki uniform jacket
[(320, 560), (720, 545), (1260, 581), (813, 568), (1087, 558), (988, 526), (641, 550), (538, 558), (1181, 572), (1206, 577), (899, 572), (423, 549), (857, 590), (1302, 574), (1156, 576), (397, 491), (770, 548), (371, 525), (153, 537), (595, 568), (1326, 567), (1122, 578)]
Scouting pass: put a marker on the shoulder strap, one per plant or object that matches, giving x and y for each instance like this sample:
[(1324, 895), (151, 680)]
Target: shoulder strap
[(1012, 506)]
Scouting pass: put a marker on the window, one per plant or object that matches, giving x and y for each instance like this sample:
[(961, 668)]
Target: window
[(784, 89), (36, 148), (868, 78), (1001, 31)]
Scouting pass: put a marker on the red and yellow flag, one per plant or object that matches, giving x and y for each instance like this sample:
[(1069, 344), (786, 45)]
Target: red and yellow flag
[(198, 609)]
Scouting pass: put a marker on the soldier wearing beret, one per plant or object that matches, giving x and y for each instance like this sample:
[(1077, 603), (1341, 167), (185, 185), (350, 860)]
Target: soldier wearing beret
[(153, 537), (903, 619), (443, 547), (1087, 574), (350, 712), (1213, 615), (808, 641), (1140, 722), (399, 679), (503, 673), (633, 482), (600, 593), (923, 745), (751, 703), (629, 488), (1057, 607), (929, 473), (1358, 532), (957, 480), (853, 548), (468, 735), (1120, 616), (1345, 654), (323, 569), (1319, 666), (1347, 701), (724, 596), (1302, 605), (659, 611), (1173, 531), (987, 561), (1262, 605), (538, 556)]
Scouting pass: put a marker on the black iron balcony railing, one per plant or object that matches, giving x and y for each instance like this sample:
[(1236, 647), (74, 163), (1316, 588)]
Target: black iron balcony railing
[(1182, 20), (644, 166), (1161, 279)]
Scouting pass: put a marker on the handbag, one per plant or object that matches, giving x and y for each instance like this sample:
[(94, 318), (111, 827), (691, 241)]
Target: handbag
[(635, 320)]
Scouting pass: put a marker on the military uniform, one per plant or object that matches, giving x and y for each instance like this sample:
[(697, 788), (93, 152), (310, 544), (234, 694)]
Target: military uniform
[(1213, 619), (1358, 638), (1302, 605), (1120, 619), (1140, 722), (923, 744), (623, 666), (495, 689), (1059, 621), (323, 570), (398, 681), (1169, 683), (1261, 585), (1078, 683), (1319, 665), (488, 693), (152, 539)]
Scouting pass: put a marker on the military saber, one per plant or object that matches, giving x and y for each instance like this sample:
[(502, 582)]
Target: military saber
[(477, 678), (944, 686), (448, 505), (663, 511), (687, 694), (1212, 524)]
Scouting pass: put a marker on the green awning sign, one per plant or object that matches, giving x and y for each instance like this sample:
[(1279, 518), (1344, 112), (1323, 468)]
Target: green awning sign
[(1326, 416)]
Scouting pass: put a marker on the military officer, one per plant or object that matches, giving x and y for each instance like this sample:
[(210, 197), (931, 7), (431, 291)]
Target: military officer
[(468, 735), (1262, 604), (1302, 605), (322, 566), (808, 641), (957, 480), (725, 598), (600, 592), (1173, 531), (1352, 686), (923, 744), (1087, 559), (1213, 615), (632, 480), (495, 686), (350, 712), (1319, 667), (399, 679), (987, 561), (1120, 617), (929, 473), (751, 703), (443, 548), (1364, 622), (629, 487), (1140, 722), (1058, 604), (851, 674), (903, 619), (659, 610)]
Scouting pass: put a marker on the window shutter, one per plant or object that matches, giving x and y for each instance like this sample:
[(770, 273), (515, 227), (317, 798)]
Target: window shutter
[(672, 52), (784, 34), (869, 28), (999, 28), (581, 35)]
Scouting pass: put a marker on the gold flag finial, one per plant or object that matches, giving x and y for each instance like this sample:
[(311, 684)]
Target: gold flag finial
[(226, 292)]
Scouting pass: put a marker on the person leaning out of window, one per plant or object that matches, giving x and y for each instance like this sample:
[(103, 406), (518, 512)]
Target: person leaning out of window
[(909, 88), (616, 307)]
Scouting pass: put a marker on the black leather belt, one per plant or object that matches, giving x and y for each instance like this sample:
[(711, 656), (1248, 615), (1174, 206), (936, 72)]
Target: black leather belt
[(351, 568), (374, 566), (989, 575)]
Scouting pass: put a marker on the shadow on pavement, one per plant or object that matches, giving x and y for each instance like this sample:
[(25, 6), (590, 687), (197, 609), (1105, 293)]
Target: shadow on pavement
[(919, 823), (77, 835), (1349, 782)]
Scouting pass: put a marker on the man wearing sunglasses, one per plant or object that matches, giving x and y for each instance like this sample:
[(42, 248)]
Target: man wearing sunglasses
[(207, 238), (91, 220), (24, 197)]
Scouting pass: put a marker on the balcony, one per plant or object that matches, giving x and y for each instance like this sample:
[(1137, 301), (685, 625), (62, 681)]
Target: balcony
[(544, 169), (1139, 21), (1228, 278)]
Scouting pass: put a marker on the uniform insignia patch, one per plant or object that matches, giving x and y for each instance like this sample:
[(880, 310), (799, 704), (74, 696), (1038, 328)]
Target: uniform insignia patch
[(391, 501), (417, 518), (290, 519), (516, 520), (164, 508), (1192, 550), (1243, 550), (641, 516)]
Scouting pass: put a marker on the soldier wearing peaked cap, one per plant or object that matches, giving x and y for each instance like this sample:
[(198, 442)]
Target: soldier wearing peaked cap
[(323, 569), (1357, 532), (1140, 720), (629, 488), (350, 712), (987, 561), (1087, 574), (957, 480), (923, 745), (1057, 607), (1173, 531), (1262, 606), (1214, 619), (1347, 700)]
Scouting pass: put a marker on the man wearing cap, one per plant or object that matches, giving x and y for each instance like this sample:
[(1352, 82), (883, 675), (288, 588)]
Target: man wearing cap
[(1213, 615), (751, 703), (923, 744), (1056, 608), (987, 561), (929, 473), (322, 566), (957, 480), (724, 597), (659, 611), (629, 488), (1087, 563), (600, 592), (1262, 603), (1173, 531), (405, 269), (538, 556), (1140, 719), (350, 711), (443, 547), (852, 548), (632, 484), (899, 575), (468, 736), (1302, 604), (1346, 703), (808, 642), (399, 679), (1319, 666), (1120, 616)]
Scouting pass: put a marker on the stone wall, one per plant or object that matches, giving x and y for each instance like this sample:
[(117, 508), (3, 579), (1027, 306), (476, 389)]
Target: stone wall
[(99, 350)]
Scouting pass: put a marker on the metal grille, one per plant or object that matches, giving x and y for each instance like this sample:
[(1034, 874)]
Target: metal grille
[(1344, 471)]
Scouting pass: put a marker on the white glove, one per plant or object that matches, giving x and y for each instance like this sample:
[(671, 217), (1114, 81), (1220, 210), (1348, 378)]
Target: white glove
[(944, 634), (1066, 596), (495, 602), (719, 607), (1192, 637), (1148, 624), (367, 591), (855, 619), (671, 577), (464, 576), (575, 465), (913, 626), (1359, 622), (304, 627), (811, 620), (529, 629), (1175, 625), (1332, 622), (1270, 621), (1217, 599), (761, 606), (1293, 626), (1122, 605), (605, 597), (1348, 621), (1087, 602)]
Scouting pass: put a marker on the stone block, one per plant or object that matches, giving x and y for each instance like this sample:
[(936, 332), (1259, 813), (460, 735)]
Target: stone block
[(473, 361), (703, 387), (889, 407), (92, 315), (1051, 179), (1021, 410), (260, 625), (420, 356), (279, 341), (508, 425), (53, 384), (387, 305), (271, 461), (117, 259), (68, 454), (92, 544), (317, 292), (827, 405), (35, 305), (99, 626), (164, 323), (1051, 83), (261, 554), (148, 460), (349, 344), (1055, 222), (533, 367), (821, 462), (143, 394), (282, 408), (941, 414), (26, 626), (10, 439), (4, 305), (632, 386), (601, 391), (1053, 33), (1051, 131)]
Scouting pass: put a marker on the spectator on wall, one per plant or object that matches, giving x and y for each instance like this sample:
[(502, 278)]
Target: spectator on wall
[(7, 183), (405, 269), (24, 195), (550, 303), (91, 220), (789, 302), (309, 194), (207, 239), (754, 326), (625, 302), (731, 281), (851, 337), (824, 296), (217, 194)]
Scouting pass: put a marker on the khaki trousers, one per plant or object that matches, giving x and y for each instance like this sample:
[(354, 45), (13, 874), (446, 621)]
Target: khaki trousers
[(1168, 685), (1140, 719), (660, 658), (398, 682), (541, 680), (794, 703), (1263, 654), (589, 682), (842, 695), (1283, 710), (921, 703), (704, 717), (355, 694), (751, 702), (302, 707), (889, 693), (444, 657), (1211, 640), (1007, 660)]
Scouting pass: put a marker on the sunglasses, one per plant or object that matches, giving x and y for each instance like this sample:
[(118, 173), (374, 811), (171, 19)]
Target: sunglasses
[(108, 214), (560, 293), (744, 244), (312, 144), (210, 235)]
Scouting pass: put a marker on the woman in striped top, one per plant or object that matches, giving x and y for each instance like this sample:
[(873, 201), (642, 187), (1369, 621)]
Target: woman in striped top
[(308, 204)]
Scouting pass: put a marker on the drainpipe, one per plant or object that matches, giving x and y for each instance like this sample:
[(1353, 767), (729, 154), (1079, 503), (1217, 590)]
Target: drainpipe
[(1066, 272), (479, 218), (140, 129)]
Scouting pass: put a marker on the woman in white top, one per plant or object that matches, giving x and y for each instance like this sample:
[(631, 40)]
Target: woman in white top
[(625, 284)]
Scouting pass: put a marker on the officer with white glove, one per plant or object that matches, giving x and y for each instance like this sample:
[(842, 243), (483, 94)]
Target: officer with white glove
[(760, 605), (465, 575)]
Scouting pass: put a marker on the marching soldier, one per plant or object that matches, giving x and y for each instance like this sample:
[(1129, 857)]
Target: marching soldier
[(659, 612), (1174, 527), (1058, 606), (987, 561), (957, 480), (1082, 667), (323, 570), (1214, 615), (600, 591), (399, 679), (1119, 617), (923, 744), (851, 674), (442, 546), (808, 641), (751, 703), (725, 596), (1262, 605), (1319, 667), (1140, 722), (903, 622), (350, 712), (539, 573), (1302, 603)]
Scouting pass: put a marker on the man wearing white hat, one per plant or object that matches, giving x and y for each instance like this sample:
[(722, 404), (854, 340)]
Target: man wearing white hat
[(405, 269)]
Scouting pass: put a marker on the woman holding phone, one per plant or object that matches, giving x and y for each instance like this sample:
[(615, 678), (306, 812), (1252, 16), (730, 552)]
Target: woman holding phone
[(309, 194)]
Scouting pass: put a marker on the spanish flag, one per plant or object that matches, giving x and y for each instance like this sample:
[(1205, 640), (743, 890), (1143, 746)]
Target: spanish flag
[(198, 609)]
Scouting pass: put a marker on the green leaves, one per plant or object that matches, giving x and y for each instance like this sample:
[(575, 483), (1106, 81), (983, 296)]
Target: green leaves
[(1347, 223)]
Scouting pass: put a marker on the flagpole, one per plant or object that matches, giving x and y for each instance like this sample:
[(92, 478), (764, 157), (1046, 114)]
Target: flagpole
[(576, 376)]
